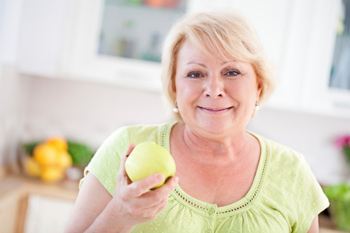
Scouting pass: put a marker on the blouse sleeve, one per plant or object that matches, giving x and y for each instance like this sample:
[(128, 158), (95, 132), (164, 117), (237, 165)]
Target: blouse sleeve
[(105, 163), (309, 197)]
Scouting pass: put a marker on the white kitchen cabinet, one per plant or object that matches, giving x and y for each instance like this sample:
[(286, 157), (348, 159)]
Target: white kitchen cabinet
[(299, 37), (317, 95), (306, 66), (270, 17), (30, 205), (47, 214), (60, 38), (41, 38)]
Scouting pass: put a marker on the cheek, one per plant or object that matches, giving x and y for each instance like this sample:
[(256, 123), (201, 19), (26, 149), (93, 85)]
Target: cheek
[(245, 91), (188, 90), (184, 97)]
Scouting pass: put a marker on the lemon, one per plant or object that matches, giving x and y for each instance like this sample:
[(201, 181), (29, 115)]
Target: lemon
[(64, 159), (32, 167), (58, 142), (52, 173), (45, 154)]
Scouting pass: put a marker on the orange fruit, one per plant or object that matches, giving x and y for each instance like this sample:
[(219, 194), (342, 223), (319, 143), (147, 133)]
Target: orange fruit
[(32, 167), (45, 154), (52, 174), (64, 159), (58, 142)]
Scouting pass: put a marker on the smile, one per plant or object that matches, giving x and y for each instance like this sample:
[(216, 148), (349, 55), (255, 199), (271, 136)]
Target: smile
[(215, 110)]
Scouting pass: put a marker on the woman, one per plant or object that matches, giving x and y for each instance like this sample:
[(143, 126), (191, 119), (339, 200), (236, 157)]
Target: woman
[(215, 76)]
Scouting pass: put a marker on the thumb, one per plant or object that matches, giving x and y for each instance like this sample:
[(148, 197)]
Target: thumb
[(122, 173)]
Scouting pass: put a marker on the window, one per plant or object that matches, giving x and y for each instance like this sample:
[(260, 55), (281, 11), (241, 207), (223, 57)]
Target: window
[(340, 72), (136, 28)]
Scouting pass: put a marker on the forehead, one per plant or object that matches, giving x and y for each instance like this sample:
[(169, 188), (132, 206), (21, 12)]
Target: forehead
[(190, 49), (190, 52)]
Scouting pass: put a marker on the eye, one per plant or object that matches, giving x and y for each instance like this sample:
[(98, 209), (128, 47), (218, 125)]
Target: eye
[(232, 73), (195, 75)]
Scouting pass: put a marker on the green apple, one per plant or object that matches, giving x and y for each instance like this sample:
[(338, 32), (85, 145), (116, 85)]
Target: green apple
[(148, 158)]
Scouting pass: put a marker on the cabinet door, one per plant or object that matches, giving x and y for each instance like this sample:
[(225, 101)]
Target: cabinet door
[(119, 41), (311, 48), (8, 213), (47, 214), (329, 63), (41, 37)]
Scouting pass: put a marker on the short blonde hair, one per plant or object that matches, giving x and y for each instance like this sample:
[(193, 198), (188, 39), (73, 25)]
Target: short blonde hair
[(218, 33)]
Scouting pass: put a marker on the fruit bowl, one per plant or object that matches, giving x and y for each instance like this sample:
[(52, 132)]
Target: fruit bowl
[(55, 159)]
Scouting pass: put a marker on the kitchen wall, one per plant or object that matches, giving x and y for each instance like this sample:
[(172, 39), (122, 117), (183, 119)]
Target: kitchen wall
[(10, 107), (89, 112), (311, 134), (85, 111)]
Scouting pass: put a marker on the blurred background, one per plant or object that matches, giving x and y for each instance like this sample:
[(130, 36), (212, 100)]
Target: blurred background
[(73, 71)]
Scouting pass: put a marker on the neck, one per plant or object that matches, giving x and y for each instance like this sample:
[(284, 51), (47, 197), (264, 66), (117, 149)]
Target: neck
[(214, 149)]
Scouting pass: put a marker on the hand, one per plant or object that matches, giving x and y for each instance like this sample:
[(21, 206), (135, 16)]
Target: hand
[(134, 202)]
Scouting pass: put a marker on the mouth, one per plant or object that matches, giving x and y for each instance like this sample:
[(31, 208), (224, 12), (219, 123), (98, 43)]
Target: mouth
[(215, 110)]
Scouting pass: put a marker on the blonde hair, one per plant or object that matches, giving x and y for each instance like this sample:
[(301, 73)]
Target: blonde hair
[(218, 33)]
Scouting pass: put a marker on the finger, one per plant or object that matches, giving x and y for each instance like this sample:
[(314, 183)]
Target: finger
[(152, 198), (122, 173), (153, 211), (149, 202), (140, 187), (169, 186), (161, 206)]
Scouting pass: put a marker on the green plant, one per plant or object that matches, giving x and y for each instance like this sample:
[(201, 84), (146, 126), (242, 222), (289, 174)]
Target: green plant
[(81, 153), (339, 197)]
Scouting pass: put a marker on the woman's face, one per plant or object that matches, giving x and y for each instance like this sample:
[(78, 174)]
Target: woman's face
[(214, 97)]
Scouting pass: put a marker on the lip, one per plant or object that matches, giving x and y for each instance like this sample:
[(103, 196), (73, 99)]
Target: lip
[(215, 110)]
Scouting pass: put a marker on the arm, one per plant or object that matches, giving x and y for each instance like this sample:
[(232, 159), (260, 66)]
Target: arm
[(95, 210), (314, 226), (93, 200)]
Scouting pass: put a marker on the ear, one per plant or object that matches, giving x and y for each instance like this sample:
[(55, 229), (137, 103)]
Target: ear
[(173, 85), (259, 87)]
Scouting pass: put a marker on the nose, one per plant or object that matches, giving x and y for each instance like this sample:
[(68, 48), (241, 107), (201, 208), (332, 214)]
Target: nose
[(214, 87)]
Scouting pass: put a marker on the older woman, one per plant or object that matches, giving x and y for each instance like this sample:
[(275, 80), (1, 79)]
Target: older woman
[(215, 76)]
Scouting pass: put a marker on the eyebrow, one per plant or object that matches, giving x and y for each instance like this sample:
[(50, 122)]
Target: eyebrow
[(225, 62), (198, 63)]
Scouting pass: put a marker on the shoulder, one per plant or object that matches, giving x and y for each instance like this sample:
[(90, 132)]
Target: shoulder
[(141, 128), (280, 156), (283, 155), (142, 132), (290, 186), (286, 171)]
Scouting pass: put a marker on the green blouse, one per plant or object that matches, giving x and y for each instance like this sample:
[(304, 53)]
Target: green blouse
[(284, 197)]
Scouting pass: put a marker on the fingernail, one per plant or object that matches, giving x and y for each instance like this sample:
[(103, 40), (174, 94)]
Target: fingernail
[(176, 180)]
